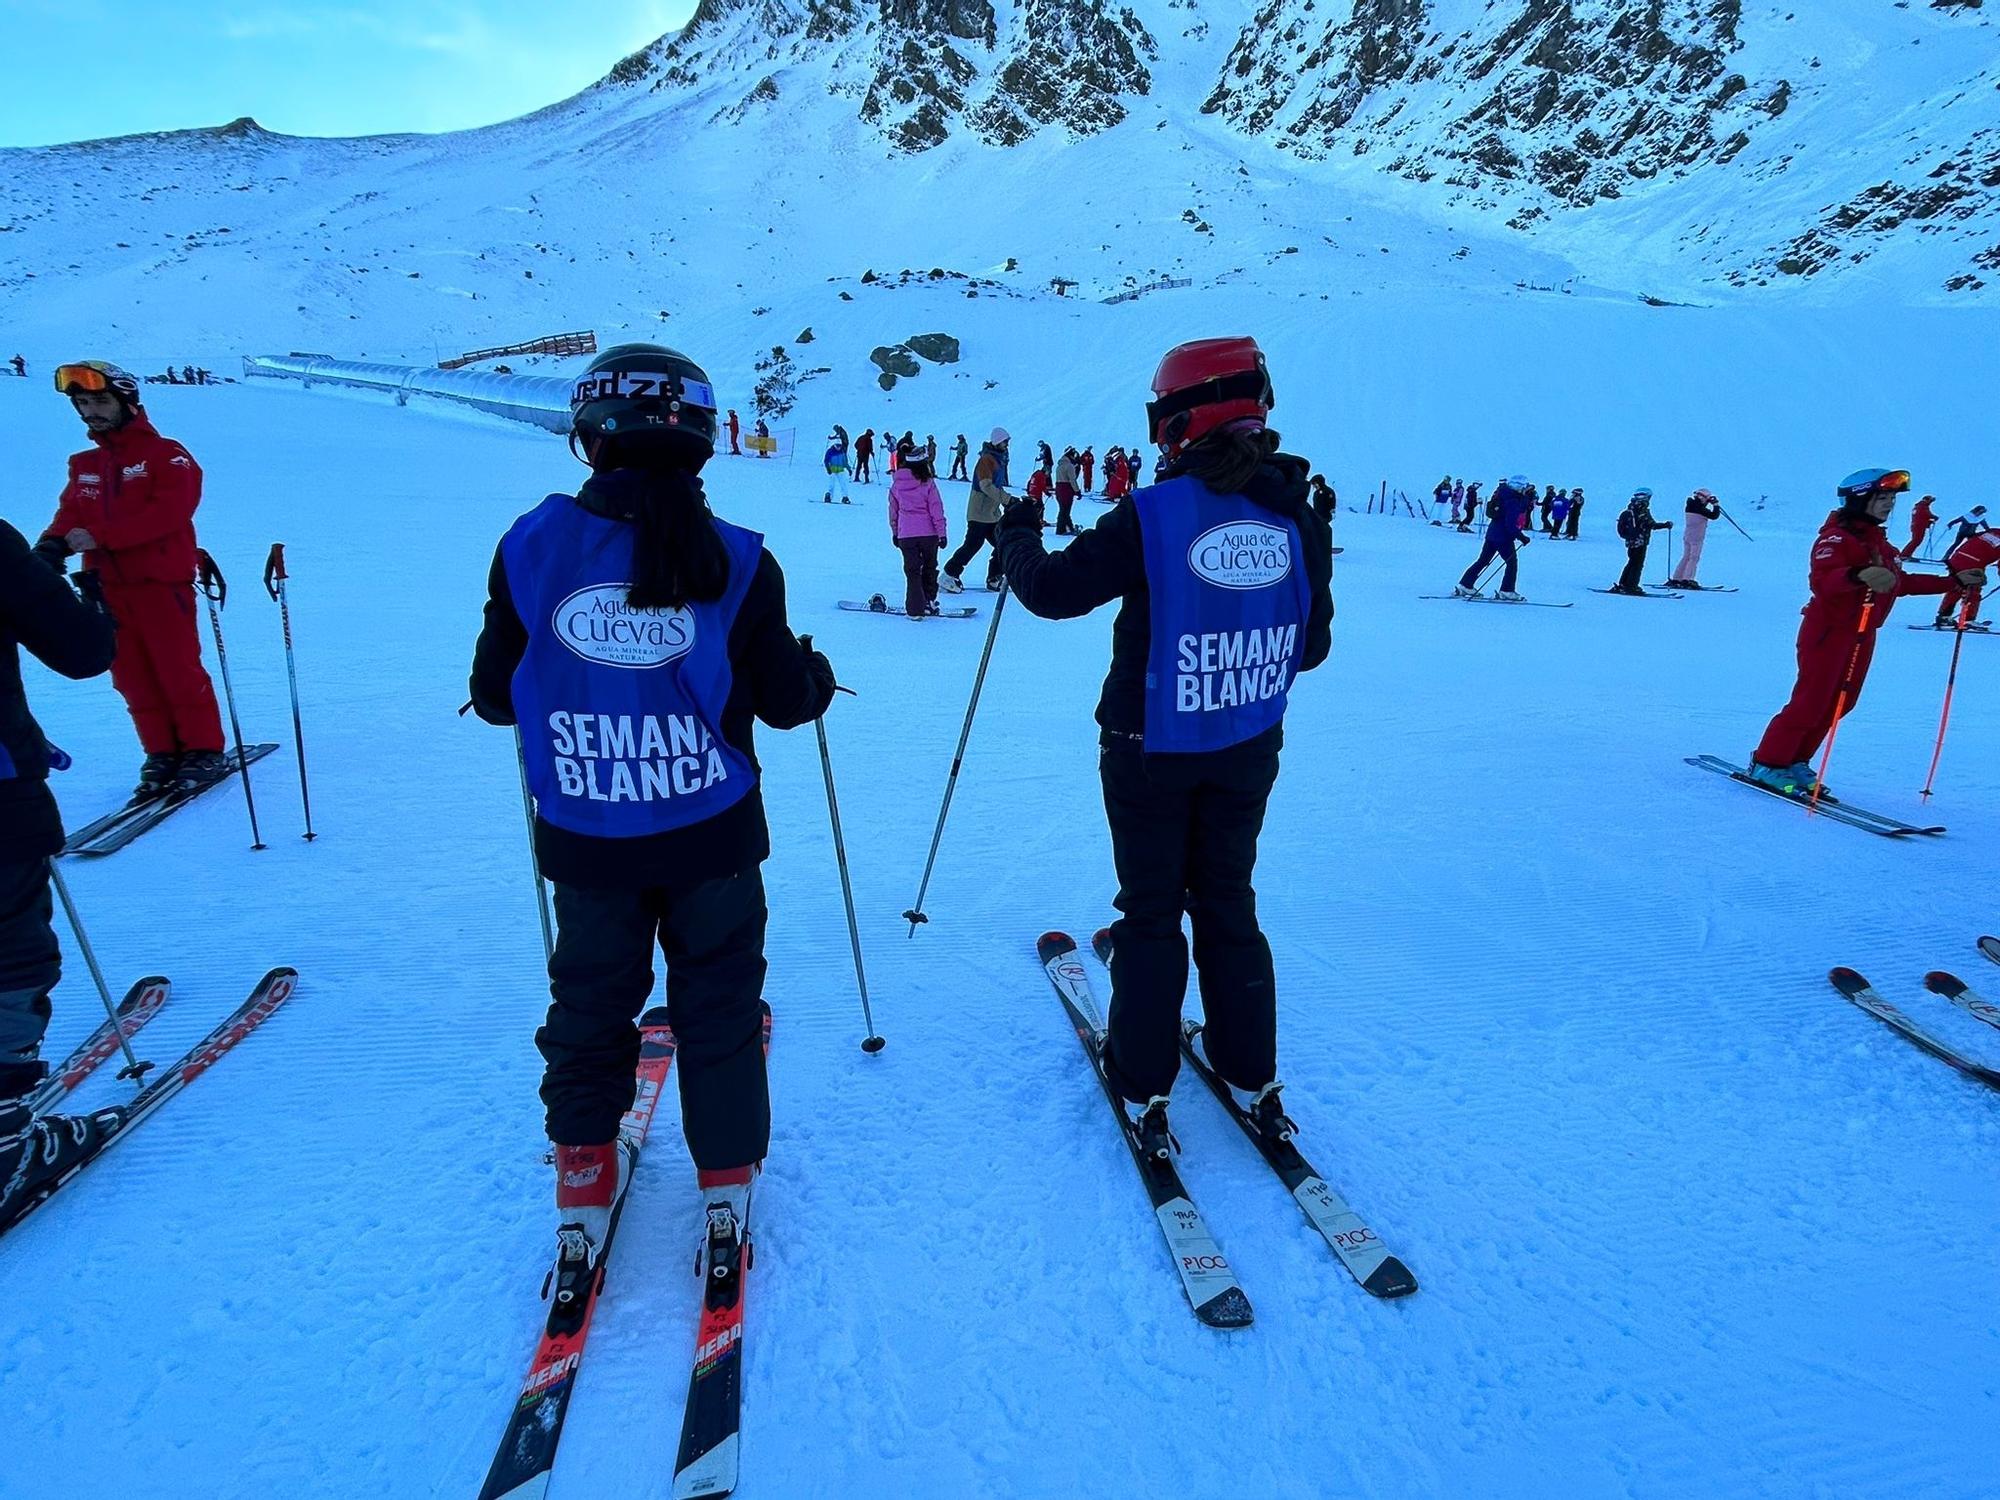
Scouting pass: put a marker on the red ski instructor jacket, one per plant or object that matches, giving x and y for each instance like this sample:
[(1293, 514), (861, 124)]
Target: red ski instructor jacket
[(1843, 548), (135, 492)]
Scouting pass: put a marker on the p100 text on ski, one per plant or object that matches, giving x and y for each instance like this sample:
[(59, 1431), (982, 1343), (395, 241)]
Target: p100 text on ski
[(1224, 668)]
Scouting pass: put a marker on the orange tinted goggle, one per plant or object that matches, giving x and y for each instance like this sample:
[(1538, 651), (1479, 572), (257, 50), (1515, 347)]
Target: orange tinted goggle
[(1895, 482), (86, 378)]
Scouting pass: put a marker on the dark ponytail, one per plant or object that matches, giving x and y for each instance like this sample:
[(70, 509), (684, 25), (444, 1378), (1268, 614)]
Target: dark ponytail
[(678, 557), (1228, 458)]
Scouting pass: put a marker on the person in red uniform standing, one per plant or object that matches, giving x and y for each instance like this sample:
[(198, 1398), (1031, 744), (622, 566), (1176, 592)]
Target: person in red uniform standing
[(129, 510), (735, 431), (1977, 552), (1854, 567), (1920, 525)]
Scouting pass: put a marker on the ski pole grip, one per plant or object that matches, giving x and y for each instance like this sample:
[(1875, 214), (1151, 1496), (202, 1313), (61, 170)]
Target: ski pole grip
[(274, 569), (208, 577)]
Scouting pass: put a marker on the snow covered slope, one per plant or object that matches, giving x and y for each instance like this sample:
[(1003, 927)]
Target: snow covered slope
[(1380, 146), (1553, 1008)]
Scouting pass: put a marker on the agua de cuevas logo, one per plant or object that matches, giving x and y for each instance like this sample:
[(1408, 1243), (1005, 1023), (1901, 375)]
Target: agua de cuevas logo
[(598, 625)]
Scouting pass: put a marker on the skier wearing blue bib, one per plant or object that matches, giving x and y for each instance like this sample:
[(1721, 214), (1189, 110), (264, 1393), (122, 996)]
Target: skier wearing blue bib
[(634, 637), (1224, 576)]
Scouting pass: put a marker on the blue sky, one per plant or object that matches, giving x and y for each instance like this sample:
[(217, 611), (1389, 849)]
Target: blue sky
[(70, 71)]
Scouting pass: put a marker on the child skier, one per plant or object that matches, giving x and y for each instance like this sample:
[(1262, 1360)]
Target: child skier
[(916, 526), (1635, 529)]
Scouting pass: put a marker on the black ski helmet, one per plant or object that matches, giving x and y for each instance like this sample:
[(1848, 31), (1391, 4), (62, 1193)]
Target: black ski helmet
[(646, 398)]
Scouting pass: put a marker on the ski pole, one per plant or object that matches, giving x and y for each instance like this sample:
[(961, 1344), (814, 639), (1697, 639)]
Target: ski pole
[(274, 582), (915, 914), (1739, 530), (874, 1041), (215, 589), (1840, 704), (1950, 682), (134, 1069), (541, 886)]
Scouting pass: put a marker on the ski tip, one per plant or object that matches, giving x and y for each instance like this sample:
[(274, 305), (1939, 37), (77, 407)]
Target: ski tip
[(1100, 943), (1848, 981), (1390, 1279), (1990, 946), (1943, 982), (1053, 944), (1227, 1309)]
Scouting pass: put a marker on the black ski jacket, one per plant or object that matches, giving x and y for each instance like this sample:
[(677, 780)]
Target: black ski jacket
[(71, 635), (1108, 562), (775, 679)]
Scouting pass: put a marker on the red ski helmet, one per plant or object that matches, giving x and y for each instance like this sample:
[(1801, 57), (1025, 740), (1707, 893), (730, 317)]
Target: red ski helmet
[(1204, 385)]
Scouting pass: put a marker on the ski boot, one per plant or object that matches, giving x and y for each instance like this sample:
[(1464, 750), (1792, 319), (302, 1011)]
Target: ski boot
[(199, 767), (158, 776), (1511, 597), (590, 1182), (950, 583), (1460, 591), (878, 604), (1794, 780), (37, 1151), (1156, 1137)]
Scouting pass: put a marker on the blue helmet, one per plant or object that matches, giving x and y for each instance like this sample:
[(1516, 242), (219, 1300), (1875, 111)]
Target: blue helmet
[(1866, 484)]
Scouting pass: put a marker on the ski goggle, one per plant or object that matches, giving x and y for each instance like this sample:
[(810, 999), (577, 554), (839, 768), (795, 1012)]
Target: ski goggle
[(1865, 484), (641, 385), (89, 378)]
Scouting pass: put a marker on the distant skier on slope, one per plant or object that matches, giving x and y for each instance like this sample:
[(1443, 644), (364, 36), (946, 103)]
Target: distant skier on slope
[(1575, 514), (916, 526), (1471, 511), (1853, 563), (735, 431), (984, 507), (1701, 508), (1922, 518), (1969, 525), (864, 451), (20, 366), (1976, 553), (1558, 512), (1089, 466), (128, 508), (76, 637), (1506, 534), (1635, 529), (958, 452), (634, 637), (1066, 493), (1205, 648), (836, 468)]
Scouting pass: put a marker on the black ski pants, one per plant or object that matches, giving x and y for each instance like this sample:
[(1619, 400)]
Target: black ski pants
[(712, 936), (1575, 516), (1509, 550), (1184, 839), (30, 965), (977, 535), (1635, 564), (920, 573)]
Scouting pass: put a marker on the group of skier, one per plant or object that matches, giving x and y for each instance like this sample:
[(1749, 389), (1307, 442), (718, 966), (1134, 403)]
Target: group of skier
[(1561, 511), (127, 511)]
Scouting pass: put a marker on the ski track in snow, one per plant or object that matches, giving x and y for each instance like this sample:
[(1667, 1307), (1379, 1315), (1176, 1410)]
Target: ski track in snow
[(1554, 1018)]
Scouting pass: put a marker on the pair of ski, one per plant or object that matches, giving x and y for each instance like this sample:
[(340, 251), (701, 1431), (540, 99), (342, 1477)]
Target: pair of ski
[(1477, 598), (118, 828), (1939, 982), (141, 1005), (1829, 806), (1212, 1290), (711, 1427), (1644, 593), (880, 606)]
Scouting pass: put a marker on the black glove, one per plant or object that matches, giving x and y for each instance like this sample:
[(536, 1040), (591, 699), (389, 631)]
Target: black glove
[(91, 586), (1023, 515), (54, 551)]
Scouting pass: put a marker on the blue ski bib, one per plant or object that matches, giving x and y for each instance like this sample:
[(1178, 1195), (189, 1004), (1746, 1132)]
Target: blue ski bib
[(621, 709), (1230, 602)]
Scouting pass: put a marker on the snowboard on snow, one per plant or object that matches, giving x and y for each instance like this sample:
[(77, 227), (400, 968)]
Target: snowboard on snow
[(883, 607), (115, 830)]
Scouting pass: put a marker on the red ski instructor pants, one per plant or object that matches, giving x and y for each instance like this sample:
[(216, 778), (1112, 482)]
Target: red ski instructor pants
[(158, 670), (1801, 725)]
